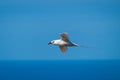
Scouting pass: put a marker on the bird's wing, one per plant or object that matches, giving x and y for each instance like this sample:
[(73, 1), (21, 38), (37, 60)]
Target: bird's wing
[(64, 37), (63, 48)]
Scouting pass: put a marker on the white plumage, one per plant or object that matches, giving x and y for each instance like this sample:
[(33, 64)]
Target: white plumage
[(63, 43)]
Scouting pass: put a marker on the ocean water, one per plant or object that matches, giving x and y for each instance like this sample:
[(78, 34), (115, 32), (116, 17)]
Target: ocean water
[(60, 70)]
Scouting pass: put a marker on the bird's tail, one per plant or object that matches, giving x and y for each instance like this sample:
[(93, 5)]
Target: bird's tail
[(74, 44), (84, 46)]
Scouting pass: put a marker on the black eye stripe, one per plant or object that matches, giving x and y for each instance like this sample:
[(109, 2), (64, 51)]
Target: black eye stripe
[(52, 42)]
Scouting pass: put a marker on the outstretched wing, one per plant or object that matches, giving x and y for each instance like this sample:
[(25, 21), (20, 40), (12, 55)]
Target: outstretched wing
[(64, 37), (63, 48)]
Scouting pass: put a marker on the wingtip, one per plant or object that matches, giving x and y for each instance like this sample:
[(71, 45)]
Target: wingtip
[(63, 33), (63, 52)]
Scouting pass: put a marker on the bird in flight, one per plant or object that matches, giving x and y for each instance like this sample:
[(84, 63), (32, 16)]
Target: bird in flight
[(63, 43)]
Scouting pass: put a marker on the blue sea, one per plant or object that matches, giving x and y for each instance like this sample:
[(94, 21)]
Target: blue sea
[(60, 70)]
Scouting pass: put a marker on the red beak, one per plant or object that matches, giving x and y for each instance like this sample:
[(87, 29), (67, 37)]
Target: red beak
[(49, 43)]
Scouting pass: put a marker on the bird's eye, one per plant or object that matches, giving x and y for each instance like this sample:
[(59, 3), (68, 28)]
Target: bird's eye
[(52, 41)]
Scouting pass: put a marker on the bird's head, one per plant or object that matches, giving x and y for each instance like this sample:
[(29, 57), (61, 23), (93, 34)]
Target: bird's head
[(51, 42)]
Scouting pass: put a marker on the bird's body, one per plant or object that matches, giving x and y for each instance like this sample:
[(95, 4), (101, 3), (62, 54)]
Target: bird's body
[(60, 42), (63, 43)]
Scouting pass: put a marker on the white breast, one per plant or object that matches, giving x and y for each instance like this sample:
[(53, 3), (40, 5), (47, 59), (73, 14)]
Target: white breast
[(60, 42)]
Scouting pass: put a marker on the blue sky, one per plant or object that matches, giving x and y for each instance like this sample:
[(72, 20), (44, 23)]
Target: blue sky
[(27, 26)]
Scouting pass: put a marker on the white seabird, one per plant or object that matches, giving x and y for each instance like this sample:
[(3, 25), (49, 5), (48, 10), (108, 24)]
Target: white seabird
[(63, 43)]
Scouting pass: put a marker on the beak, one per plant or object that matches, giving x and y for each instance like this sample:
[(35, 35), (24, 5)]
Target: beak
[(49, 43)]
